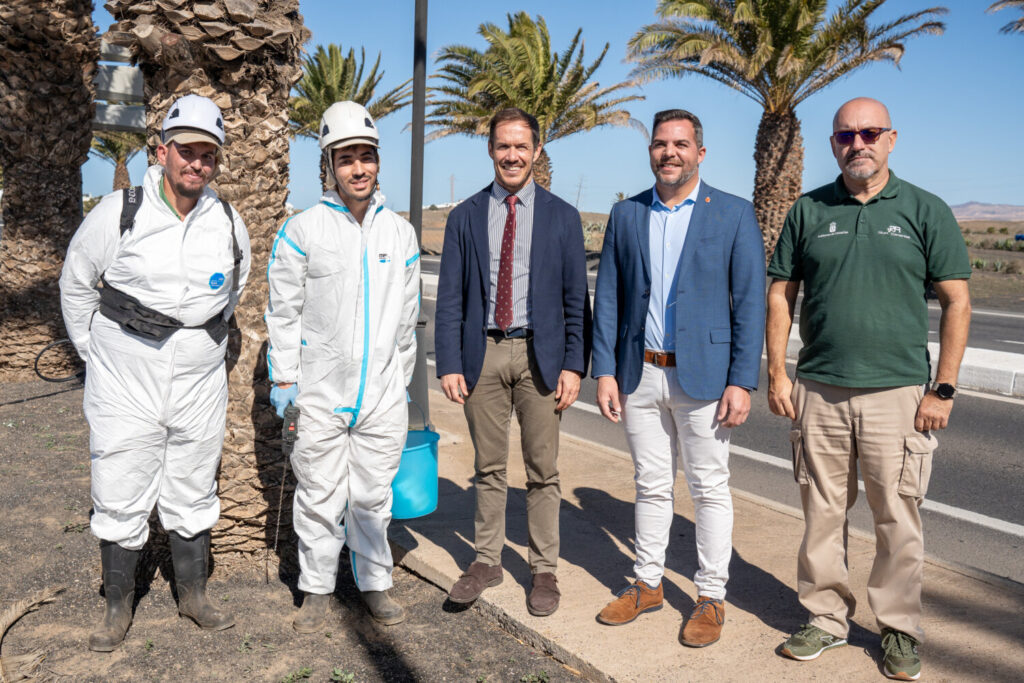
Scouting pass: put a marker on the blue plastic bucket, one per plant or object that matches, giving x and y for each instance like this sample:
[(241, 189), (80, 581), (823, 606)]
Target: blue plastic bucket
[(414, 490)]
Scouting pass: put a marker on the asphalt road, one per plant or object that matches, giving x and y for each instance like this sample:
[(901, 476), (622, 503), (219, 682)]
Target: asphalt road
[(974, 512), (994, 330)]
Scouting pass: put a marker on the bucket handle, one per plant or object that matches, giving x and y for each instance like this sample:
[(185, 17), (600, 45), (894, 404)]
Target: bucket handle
[(423, 416)]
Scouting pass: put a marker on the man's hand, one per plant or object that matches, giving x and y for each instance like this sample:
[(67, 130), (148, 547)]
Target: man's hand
[(568, 389), (932, 413), (454, 387), (734, 406), (780, 391), (608, 398)]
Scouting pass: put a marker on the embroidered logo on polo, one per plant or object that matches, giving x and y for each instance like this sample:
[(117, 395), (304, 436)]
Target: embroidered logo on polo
[(894, 231), (833, 232), (384, 258), (216, 280)]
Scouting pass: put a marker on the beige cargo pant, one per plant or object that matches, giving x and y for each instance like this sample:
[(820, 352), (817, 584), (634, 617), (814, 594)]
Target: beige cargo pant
[(838, 429)]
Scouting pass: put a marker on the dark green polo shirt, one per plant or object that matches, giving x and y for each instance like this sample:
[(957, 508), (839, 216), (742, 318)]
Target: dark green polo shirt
[(864, 319)]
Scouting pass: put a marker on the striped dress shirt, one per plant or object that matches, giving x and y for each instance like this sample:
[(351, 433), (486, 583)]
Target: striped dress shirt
[(497, 213)]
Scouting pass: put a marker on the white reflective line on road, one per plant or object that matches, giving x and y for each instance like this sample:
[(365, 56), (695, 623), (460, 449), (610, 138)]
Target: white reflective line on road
[(586, 407), (991, 397), (940, 508), (1009, 341)]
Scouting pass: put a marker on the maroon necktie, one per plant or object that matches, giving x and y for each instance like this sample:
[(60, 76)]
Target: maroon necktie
[(503, 300)]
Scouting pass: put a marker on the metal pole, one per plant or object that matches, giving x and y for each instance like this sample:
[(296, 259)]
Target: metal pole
[(418, 388)]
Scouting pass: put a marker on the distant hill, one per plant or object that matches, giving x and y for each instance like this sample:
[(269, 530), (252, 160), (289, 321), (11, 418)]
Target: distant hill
[(977, 211)]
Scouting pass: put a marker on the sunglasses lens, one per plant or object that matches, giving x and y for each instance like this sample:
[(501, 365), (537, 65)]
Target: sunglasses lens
[(845, 137), (870, 135)]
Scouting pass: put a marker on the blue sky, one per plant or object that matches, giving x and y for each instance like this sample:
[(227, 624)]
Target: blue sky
[(957, 102)]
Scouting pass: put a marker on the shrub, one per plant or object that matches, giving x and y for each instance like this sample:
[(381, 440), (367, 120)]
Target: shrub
[(991, 230), (1004, 230), (979, 264), (1015, 267)]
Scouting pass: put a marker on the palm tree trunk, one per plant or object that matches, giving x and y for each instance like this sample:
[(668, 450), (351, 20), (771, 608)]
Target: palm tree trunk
[(779, 156), (49, 51), (122, 179), (542, 170), (251, 87)]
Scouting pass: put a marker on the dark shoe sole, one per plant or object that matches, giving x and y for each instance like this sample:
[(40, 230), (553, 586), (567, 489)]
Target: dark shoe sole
[(689, 644), (538, 613), (104, 648), (466, 601), (653, 608), (389, 621)]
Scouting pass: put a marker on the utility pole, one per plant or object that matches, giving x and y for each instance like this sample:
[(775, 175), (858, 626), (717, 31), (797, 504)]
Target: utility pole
[(579, 191), (451, 182), (418, 387)]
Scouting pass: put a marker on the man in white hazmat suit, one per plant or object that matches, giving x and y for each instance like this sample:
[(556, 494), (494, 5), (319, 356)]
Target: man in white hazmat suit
[(344, 299), (149, 283)]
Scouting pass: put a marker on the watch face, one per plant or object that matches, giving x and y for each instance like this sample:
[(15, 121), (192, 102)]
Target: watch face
[(945, 390)]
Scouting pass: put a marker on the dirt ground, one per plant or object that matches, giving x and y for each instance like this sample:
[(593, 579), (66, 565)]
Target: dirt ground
[(45, 541)]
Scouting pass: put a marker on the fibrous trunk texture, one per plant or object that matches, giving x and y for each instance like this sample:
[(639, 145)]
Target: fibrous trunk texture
[(122, 179), (779, 158), (244, 55), (542, 170), (48, 55)]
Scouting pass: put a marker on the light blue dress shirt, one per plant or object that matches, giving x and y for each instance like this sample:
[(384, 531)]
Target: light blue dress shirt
[(668, 229)]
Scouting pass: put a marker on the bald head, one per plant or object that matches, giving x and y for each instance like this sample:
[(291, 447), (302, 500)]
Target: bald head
[(862, 108)]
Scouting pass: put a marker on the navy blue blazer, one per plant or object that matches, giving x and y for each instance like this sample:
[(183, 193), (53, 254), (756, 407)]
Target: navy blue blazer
[(720, 296), (559, 301)]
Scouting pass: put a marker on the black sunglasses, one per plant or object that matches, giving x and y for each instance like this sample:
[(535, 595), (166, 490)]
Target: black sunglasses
[(868, 135)]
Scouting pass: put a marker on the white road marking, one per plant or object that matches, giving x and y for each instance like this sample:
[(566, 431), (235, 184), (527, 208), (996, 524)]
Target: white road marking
[(1010, 341)]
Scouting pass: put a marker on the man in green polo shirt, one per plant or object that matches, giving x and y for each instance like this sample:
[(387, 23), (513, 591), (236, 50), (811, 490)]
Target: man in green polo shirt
[(865, 248)]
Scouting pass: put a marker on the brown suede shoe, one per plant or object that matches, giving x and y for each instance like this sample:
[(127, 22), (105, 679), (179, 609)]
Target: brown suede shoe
[(704, 626), (631, 602), (543, 598), (473, 582)]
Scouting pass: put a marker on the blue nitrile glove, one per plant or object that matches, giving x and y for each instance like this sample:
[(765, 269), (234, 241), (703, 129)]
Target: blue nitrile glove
[(281, 398)]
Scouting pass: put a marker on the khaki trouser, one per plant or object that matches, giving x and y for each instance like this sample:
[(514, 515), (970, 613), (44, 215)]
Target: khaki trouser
[(837, 428), (506, 382)]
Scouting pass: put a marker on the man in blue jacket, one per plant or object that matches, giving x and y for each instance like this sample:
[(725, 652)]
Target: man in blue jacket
[(678, 325), (511, 301)]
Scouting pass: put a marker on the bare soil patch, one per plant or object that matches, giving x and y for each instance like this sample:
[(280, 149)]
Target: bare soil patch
[(45, 541)]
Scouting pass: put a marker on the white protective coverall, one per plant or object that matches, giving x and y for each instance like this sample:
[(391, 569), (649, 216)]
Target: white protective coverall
[(344, 299), (156, 410)]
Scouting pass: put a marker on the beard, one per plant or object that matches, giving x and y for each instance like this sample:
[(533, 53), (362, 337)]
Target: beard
[(861, 171)]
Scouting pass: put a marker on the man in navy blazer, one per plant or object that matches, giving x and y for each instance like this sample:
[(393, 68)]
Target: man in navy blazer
[(509, 333), (678, 327)]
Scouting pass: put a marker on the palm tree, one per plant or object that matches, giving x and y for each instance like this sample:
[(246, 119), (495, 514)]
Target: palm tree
[(519, 68), (246, 57), (1015, 26), (778, 54), (329, 77), (118, 149), (49, 52)]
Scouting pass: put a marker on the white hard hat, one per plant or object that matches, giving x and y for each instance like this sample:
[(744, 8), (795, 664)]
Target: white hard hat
[(345, 124), (193, 118)]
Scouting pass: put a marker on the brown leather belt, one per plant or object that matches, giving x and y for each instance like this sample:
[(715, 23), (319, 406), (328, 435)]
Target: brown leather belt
[(663, 359)]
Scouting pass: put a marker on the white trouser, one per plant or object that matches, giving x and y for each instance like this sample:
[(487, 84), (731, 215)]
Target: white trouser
[(343, 494), (156, 414), (663, 425)]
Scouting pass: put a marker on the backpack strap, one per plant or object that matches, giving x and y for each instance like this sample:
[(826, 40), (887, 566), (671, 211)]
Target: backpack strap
[(131, 200), (235, 249)]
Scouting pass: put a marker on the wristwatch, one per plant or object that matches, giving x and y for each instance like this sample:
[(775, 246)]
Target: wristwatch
[(943, 390)]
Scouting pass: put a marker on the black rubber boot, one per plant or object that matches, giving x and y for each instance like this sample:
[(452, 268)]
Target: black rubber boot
[(191, 564), (313, 613), (383, 608), (119, 588)]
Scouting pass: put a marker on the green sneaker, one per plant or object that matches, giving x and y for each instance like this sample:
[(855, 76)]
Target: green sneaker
[(809, 642), (901, 660)]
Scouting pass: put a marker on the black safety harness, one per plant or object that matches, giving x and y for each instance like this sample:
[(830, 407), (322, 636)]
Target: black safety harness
[(140, 320)]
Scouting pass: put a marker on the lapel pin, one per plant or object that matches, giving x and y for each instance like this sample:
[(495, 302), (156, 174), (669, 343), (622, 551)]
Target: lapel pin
[(707, 200)]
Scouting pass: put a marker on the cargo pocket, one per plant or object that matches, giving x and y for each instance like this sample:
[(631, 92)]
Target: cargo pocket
[(917, 464), (796, 440)]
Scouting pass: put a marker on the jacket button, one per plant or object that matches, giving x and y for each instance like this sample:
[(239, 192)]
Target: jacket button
[(647, 293)]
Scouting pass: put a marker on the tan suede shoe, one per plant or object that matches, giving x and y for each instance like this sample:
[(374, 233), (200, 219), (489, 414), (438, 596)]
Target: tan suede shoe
[(631, 603), (704, 626)]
